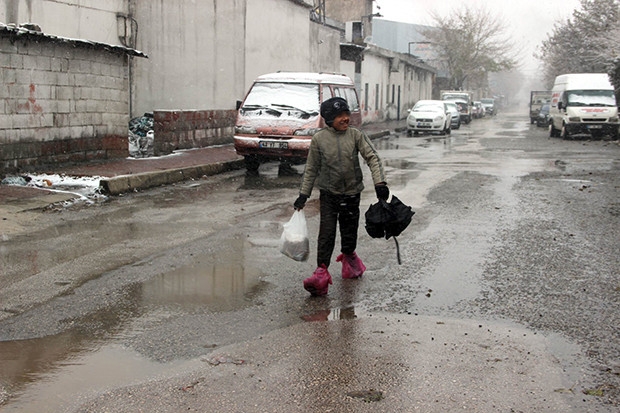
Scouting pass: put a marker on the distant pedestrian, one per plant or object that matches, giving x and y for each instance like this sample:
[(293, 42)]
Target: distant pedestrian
[(333, 164)]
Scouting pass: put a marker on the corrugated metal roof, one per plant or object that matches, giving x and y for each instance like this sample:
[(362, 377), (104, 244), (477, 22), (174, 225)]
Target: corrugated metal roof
[(15, 31)]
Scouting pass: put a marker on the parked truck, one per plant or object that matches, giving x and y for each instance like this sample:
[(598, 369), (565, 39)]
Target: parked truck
[(464, 101), (537, 99), (583, 104)]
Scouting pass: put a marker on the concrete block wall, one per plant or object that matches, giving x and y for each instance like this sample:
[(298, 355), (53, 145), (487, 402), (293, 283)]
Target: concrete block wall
[(192, 129), (60, 102)]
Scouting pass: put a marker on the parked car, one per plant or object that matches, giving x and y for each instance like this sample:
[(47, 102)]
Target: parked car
[(455, 115), (478, 111), (489, 106), (429, 116), (543, 118), (280, 113)]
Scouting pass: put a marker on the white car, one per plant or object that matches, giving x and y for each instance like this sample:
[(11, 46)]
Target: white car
[(429, 116), (455, 122)]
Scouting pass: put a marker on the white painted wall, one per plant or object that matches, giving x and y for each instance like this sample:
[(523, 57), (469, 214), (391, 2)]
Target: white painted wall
[(205, 54), (79, 19), (383, 73), (324, 48), (375, 72), (196, 55)]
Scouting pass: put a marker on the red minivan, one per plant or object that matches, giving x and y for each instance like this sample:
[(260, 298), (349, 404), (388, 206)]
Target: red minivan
[(280, 113)]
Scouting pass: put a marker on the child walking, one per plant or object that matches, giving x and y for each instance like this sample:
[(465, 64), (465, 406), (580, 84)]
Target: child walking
[(333, 165)]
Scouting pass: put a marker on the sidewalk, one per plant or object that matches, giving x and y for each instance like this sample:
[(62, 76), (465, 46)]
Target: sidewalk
[(129, 174)]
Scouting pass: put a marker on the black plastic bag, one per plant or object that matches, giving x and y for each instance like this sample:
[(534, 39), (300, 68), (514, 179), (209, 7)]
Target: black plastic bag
[(388, 219)]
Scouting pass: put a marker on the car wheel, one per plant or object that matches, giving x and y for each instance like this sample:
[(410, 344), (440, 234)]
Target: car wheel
[(564, 133), (251, 164), (553, 132)]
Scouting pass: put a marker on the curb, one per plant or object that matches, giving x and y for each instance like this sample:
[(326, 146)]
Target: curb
[(129, 183)]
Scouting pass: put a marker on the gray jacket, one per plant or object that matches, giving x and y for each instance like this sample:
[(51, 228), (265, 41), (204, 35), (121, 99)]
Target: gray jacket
[(333, 162)]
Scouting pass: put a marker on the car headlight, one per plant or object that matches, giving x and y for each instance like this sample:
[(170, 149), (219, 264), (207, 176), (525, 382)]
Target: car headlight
[(614, 119), (574, 119), (438, 119), (245, 129)]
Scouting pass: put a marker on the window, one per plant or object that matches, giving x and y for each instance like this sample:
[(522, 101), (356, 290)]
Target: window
[(351, 98), (377, 96), (349, 95), (327, 93), (366, 105)]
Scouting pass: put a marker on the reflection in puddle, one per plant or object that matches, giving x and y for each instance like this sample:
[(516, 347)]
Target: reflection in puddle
[(71, 377), (385, 144), (399, 163), (21, 359), (39, 374), (220, 281), (347, 313)]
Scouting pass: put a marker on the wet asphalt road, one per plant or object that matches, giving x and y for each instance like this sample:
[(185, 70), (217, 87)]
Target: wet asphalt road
[(507, 299)]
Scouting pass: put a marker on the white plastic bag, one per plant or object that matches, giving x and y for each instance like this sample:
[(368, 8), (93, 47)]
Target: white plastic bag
[(294, 242)]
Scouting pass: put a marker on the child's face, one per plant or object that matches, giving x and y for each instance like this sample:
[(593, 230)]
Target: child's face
[(341, 122)]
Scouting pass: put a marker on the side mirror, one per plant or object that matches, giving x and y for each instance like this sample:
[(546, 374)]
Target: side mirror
[(560, 105), (239, 104)]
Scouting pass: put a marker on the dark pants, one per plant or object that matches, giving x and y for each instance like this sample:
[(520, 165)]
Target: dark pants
[(337, 209)]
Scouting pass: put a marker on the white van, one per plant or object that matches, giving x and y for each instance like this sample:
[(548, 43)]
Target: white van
[(583, 104), (281, 112)]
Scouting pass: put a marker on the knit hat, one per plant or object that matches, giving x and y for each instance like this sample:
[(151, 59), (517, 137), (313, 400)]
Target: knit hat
[(333, 107)]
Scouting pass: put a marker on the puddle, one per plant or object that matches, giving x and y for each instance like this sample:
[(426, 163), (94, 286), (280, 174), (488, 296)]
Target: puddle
[(347, 313), (219, 281), (36, 373), (48, 391)]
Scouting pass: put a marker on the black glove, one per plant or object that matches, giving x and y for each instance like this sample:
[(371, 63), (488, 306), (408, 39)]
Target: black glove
[(300, 202), (382, 191)]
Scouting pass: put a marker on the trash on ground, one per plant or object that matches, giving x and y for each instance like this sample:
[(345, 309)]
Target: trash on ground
[(141, 136)]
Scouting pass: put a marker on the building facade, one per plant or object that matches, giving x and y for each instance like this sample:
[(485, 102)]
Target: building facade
[(203, 56)]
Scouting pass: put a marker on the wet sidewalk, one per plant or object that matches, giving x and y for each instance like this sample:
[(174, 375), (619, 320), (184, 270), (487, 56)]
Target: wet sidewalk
[(119, 176)]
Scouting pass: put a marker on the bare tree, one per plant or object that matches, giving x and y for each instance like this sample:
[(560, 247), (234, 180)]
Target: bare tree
[(471, 43), (588, 42)]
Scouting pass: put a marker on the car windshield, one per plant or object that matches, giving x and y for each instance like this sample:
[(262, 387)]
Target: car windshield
[(456, 96), (428, 107), (591, 98), (282, 99)]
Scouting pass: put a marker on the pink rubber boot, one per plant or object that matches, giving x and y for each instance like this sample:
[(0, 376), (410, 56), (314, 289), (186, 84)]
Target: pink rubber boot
[(318, 283), (352, 265)]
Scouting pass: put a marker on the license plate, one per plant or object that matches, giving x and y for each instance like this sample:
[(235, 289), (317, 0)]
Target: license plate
[(273, 145), (595, 126), (424, 124)]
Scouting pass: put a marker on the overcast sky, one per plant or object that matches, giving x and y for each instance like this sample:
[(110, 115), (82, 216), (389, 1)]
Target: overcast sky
[(529, 21)]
